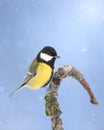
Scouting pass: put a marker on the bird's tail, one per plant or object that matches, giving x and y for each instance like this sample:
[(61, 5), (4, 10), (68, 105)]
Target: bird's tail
[(17, 90)]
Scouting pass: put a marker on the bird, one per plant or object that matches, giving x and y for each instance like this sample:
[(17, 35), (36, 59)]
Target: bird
[(40, 71)]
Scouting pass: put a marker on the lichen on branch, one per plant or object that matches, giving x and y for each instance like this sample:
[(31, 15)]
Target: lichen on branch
[(52, 105)]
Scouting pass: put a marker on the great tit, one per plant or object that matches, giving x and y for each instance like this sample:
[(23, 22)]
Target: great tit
[(40, 71)]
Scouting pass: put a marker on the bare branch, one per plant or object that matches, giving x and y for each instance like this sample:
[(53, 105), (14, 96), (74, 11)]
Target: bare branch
[(52, 105)]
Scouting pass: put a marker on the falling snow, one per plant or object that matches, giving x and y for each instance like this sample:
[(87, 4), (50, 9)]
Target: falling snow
[(40, 97), (28, 59), (84, 49), (1, 89)]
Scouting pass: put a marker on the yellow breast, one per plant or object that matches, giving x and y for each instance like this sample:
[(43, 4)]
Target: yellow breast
[(43, 75)]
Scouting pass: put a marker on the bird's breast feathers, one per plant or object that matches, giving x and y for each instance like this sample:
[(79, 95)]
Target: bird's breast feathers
[(42, 77)]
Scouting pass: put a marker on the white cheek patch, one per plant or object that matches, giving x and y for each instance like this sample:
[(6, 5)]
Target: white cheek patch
[(45, 57)]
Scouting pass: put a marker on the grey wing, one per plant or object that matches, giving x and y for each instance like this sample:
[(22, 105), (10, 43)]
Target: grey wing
[(31, 73), (26, 79)]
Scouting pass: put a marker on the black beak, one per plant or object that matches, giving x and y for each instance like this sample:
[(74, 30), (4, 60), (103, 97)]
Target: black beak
[(57, 57)]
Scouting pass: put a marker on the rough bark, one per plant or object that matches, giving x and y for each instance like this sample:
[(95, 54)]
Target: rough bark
[(52, 105)]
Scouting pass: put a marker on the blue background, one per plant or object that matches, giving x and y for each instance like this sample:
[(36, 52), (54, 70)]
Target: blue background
[(76, 29)]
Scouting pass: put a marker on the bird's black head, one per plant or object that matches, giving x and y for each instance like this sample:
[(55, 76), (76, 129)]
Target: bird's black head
[(48, 55)]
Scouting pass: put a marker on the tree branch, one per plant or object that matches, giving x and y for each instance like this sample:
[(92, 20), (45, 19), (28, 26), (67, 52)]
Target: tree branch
[(52, 105)]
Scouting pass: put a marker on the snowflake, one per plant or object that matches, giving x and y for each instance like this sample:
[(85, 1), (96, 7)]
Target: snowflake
[(84, 49), (1, 89)]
